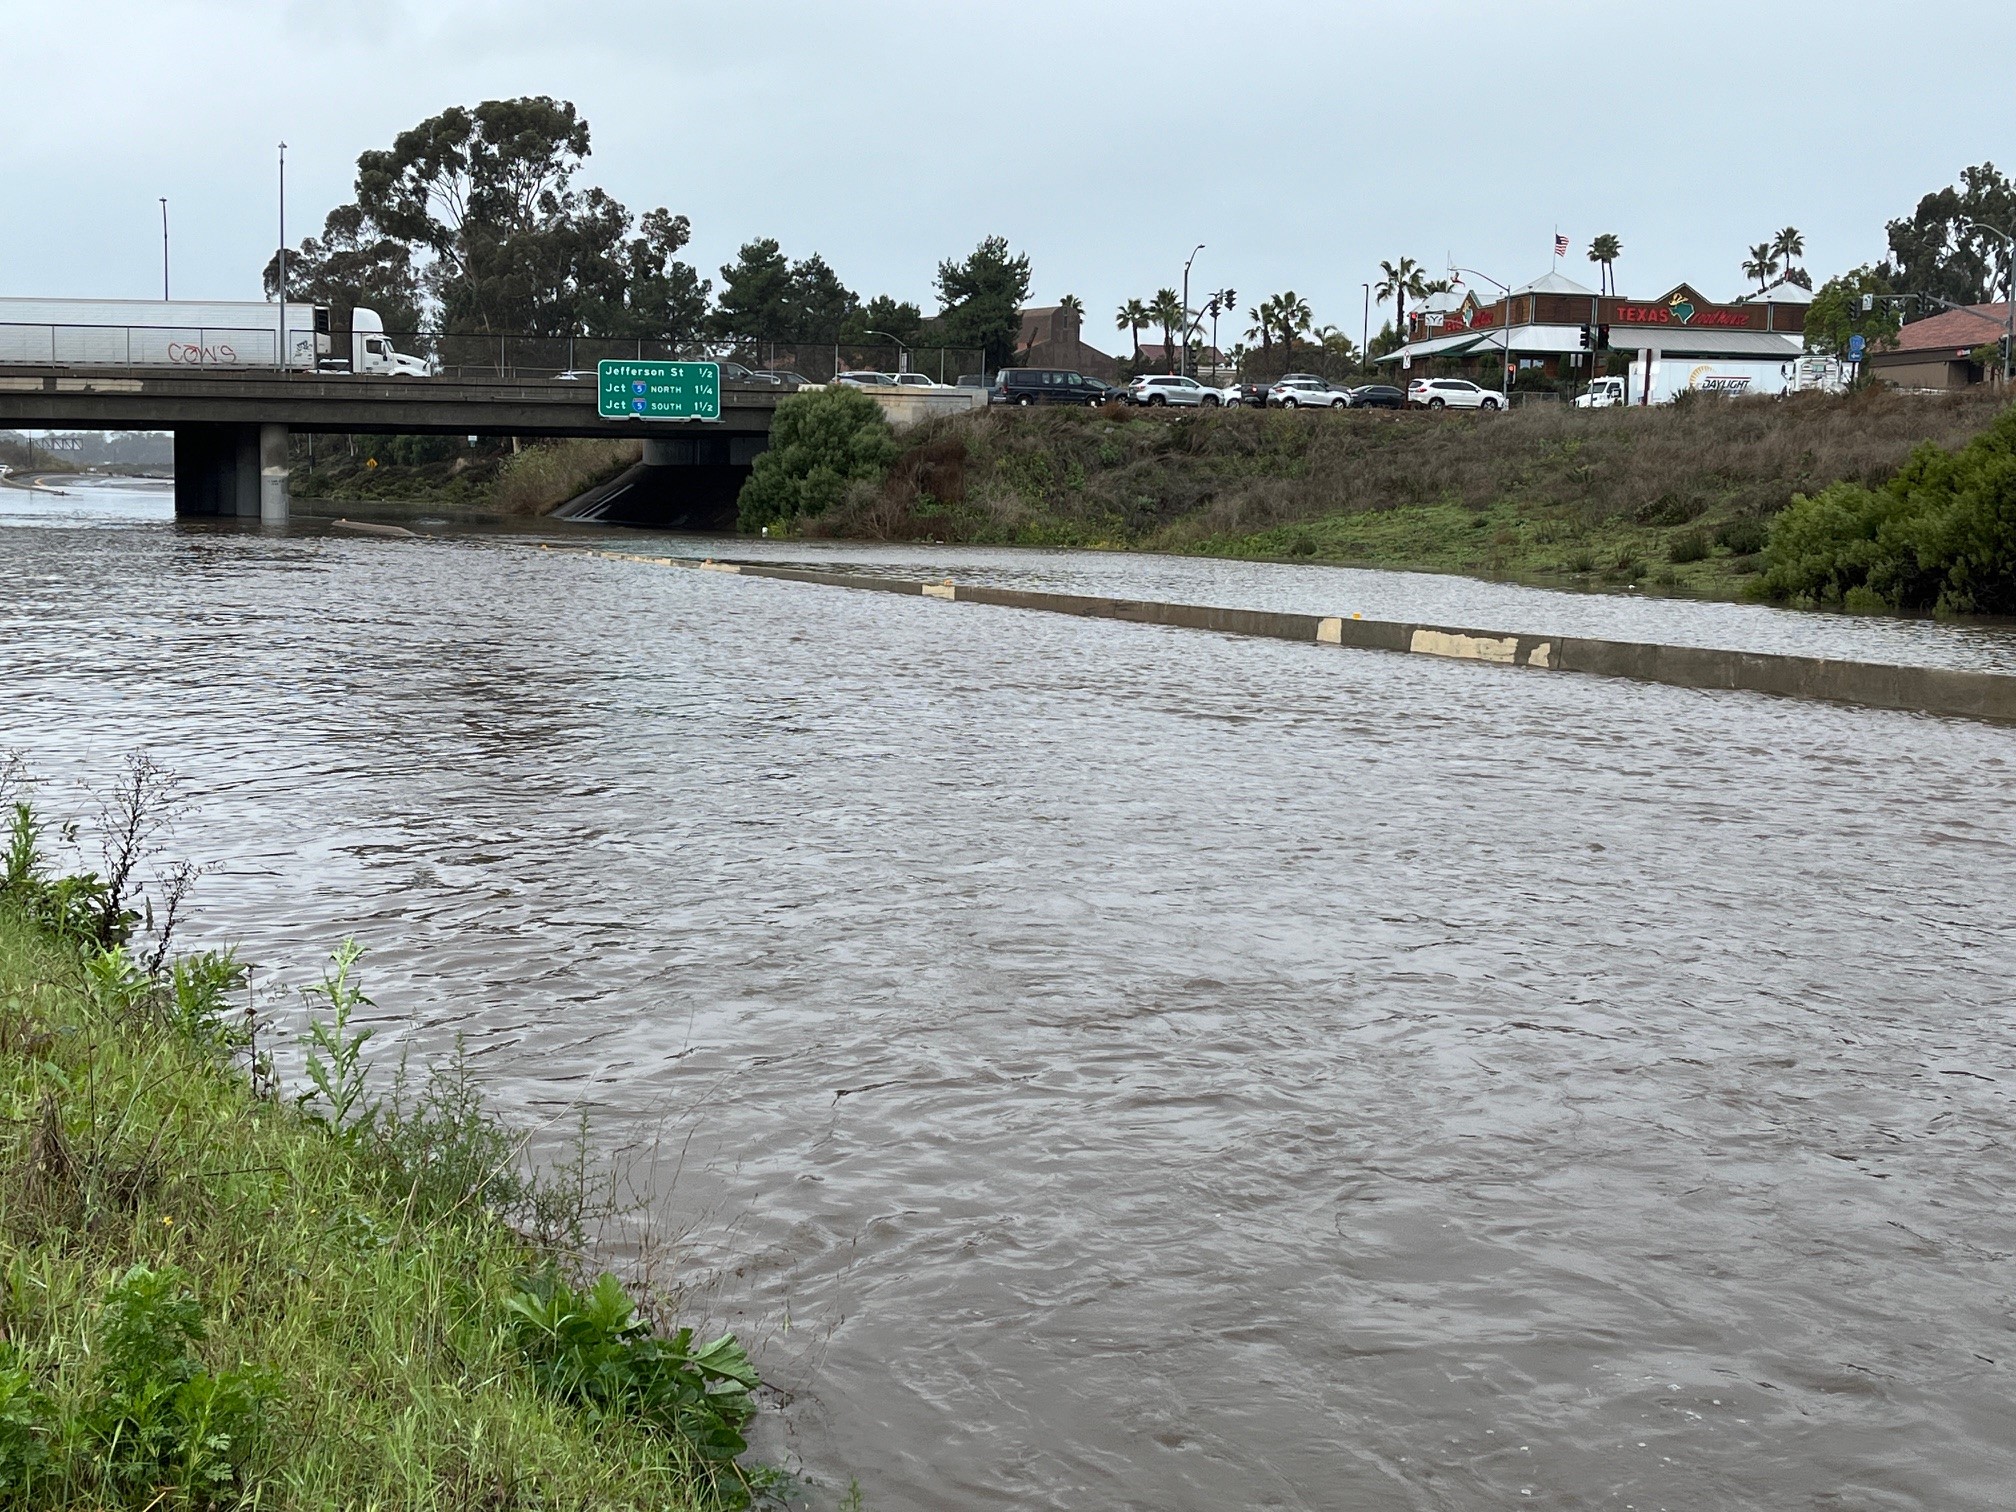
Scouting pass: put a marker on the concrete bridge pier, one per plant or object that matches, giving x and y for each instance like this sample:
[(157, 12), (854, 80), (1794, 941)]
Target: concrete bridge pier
[(231, 471)]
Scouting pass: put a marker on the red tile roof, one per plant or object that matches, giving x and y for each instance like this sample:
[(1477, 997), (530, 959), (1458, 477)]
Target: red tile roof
[(1954, 330)]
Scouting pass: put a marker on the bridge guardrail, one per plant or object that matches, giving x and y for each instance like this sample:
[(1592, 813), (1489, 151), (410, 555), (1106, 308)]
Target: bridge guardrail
[(456, 354)]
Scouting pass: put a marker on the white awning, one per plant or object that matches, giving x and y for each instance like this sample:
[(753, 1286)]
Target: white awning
[(1441, 346), (1682, 341)]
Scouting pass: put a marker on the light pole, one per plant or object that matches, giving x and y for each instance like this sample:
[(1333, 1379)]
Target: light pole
[(283, 257), (164, 249), (1185, 358), (2008, 293), (1365, 335), (893, 342), (1504, 327)]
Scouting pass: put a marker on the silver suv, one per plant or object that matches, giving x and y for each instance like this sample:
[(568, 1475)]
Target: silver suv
[(1168, 388)]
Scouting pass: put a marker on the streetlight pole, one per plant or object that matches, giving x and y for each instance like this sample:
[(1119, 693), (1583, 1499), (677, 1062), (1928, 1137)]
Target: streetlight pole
[(164, 249), (893, 342), (1185, 358), (1504, 327), (2008, 295), (1365, 335), (283, 257)]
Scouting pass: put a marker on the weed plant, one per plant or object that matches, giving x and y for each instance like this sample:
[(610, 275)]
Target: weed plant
[(214, 1297)]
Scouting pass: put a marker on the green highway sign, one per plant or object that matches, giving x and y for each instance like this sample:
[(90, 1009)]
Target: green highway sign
[(658, 390)]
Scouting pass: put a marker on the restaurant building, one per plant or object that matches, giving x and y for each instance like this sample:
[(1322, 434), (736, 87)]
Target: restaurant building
[(1555, 327)]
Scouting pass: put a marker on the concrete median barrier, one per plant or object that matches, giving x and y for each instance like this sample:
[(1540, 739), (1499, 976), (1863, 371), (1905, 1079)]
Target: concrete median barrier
[(1923, 690)]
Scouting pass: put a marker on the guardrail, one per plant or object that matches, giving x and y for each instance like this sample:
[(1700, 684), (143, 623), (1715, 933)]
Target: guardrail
[(456, 354)]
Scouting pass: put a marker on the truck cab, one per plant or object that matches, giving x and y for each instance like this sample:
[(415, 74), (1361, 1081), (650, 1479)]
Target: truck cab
[(371, 350), (1604, 393)]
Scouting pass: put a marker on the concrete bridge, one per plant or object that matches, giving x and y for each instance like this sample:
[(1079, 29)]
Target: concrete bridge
[(231, 429)]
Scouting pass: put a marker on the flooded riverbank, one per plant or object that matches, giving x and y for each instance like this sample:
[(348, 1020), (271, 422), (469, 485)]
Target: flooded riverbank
[(1147, 1069)]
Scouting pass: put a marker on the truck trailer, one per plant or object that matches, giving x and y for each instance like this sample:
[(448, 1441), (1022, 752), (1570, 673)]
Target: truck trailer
[(189, 333)]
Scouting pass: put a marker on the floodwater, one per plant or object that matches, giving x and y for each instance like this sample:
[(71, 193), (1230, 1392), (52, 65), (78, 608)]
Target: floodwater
[(1108, 1066)]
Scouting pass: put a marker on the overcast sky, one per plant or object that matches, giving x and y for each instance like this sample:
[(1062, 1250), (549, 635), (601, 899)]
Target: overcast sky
[(1301, 142)]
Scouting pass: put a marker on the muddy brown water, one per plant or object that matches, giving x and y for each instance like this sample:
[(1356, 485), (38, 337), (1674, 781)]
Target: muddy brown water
[(1110, 1066)]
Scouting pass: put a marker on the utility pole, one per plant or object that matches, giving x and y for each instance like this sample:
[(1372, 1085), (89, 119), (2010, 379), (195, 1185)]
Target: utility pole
[(164, 249), (1365, 335), (1185, 358), (2008, 296), (283, 257)]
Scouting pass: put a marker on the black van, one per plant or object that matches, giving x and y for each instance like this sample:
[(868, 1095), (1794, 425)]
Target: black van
[(1048, 386)]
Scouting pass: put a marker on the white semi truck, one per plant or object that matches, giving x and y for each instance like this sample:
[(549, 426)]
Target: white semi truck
[(191, 333), (1733, 377)]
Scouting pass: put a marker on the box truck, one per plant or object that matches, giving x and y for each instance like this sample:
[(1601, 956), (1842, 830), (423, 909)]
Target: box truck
[(190, 333), (1735, 377)]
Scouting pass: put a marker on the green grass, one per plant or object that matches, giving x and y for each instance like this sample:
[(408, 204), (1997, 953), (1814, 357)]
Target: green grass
[(213, 1296), (1507, 540)]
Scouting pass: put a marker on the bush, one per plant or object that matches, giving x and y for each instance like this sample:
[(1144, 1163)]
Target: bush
[(1939, 535), (1690, 546), (820, 443)]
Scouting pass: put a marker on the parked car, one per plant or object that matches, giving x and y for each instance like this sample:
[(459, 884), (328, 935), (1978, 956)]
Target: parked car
[(1377, 396), (1171, 388), (1307, 393), (915, 380), (864, 379), (1451, 393), (1254, 393), (1047, 386)]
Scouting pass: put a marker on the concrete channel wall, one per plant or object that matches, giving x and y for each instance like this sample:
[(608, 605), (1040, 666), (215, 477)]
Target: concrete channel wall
[(1922, 690)]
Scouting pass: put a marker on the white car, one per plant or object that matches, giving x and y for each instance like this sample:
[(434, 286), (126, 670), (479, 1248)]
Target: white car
[(1169, 388), (1307, 393), (915, 380), (1451, 393)]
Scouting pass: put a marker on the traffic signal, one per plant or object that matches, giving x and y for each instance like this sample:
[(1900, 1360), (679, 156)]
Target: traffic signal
[(1602, 338), (1585, 338)]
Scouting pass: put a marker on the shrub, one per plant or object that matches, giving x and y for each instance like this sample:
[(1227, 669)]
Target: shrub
[(1940, 534), (1742, 537), (1689, 546), (820, 442)]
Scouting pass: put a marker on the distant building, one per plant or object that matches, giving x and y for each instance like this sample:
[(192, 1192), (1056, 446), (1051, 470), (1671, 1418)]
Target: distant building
[(1938, 351), (1051, 337), (1540, 327)]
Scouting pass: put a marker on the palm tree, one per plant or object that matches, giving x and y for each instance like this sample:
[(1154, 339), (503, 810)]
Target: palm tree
[(1262, 316), (1789, 246), (1291, 314), (1762, 264), (1605, 250), (1074, 304), (1133, 318), (1402, 279), (1166, 309)]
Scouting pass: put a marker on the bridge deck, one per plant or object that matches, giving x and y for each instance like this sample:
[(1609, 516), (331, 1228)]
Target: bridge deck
[(153, 399)]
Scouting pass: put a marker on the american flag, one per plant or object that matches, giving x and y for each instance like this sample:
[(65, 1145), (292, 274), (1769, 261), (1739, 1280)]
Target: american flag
[(1560, 245)]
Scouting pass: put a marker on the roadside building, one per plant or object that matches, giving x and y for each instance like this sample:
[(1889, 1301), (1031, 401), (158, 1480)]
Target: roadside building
[(1556, 328), (1943, 351), (1052, 337)]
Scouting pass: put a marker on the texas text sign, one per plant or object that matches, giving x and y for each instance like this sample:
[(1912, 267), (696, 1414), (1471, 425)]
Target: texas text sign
[(658, 390)]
